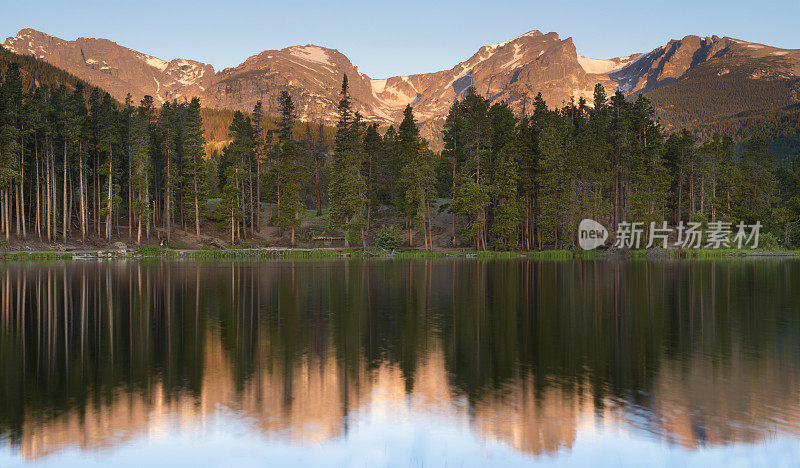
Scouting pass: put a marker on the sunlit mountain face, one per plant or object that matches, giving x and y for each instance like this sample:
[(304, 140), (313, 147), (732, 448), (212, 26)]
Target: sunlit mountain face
[(501, 361), (704, 84)]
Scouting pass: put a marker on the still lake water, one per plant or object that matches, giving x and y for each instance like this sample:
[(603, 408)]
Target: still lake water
[(397, 363)]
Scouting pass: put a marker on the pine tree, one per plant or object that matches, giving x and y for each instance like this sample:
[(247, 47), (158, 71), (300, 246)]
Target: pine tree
[(93, 160), (552, 178), (504, 193), (232, 167), (108, 141), (75, 139), (390, 165), (36, 118), (258, 146), (140, 165), (290, 173), (729, 176), (416, 183), (758, 188), (10, 148), (503, 176), (169, 130), (678, 152), (370, 169), (346, 189), (471, 197), (62, 105), (193, 152), (317, 151), (648, 188)]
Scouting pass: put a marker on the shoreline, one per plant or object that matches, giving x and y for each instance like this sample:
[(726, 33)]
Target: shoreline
[(156, 252)]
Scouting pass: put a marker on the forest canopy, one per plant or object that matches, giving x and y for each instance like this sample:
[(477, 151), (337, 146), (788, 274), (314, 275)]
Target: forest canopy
[(75, 163)]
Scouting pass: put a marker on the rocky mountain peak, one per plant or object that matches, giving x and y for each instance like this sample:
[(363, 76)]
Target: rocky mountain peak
[(514, 71)]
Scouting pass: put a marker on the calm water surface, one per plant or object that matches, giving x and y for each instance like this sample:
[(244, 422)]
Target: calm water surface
[(392, 362)]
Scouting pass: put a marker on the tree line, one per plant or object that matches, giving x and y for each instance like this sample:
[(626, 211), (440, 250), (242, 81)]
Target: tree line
[(526, 182), (71, 165), (74, 163)]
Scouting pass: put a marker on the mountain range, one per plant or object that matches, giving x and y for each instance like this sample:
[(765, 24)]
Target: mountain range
[(694, 82)]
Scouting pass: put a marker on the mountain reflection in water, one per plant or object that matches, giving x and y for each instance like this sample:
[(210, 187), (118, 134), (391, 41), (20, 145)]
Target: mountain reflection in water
[(527, 354)]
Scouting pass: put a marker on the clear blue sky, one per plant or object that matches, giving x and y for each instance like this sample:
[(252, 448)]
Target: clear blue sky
[(396, 38)]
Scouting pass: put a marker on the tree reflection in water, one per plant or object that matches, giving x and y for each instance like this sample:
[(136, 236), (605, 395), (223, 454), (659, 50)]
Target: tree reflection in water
[(523, 352)]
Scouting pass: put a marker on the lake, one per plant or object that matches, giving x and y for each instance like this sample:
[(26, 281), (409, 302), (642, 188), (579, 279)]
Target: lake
[(457, 362)]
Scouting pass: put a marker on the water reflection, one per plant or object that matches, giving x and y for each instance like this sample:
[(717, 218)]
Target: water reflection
[(529, 354)]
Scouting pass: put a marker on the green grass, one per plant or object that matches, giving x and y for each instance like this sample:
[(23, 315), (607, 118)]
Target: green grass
[(411, 254), (713, 253), (481, 254), (658, 254), (716, 253), (562, 255), (259, 253), (491, 255), (154, 251), (35, 256)]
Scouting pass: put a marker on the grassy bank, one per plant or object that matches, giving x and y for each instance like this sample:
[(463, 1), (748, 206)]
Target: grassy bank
[(725, 253), (34, 256), (564, 255), (331, 253)]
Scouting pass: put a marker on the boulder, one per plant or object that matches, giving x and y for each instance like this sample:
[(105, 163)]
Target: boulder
[(216, 243)]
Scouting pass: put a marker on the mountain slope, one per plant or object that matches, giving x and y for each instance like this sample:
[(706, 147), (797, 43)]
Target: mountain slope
[(667, 64), (715, 84), (531, 63), (528, 64), (35, 72), (693, 82), (311, 74), (115, 68)]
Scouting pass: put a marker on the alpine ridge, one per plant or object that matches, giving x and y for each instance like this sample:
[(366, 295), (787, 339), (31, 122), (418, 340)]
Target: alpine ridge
[(513, 71)]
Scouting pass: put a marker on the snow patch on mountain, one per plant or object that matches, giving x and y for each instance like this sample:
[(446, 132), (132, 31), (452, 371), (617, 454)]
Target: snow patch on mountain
[(158, 90), (518, 54), (378, 85), (390, 95), (501, 44), (311, 53), (498, 45), (186, 72), (154, 62), (600, 66)]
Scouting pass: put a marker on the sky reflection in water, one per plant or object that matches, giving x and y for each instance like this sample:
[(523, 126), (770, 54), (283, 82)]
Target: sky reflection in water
[(461, 362)]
